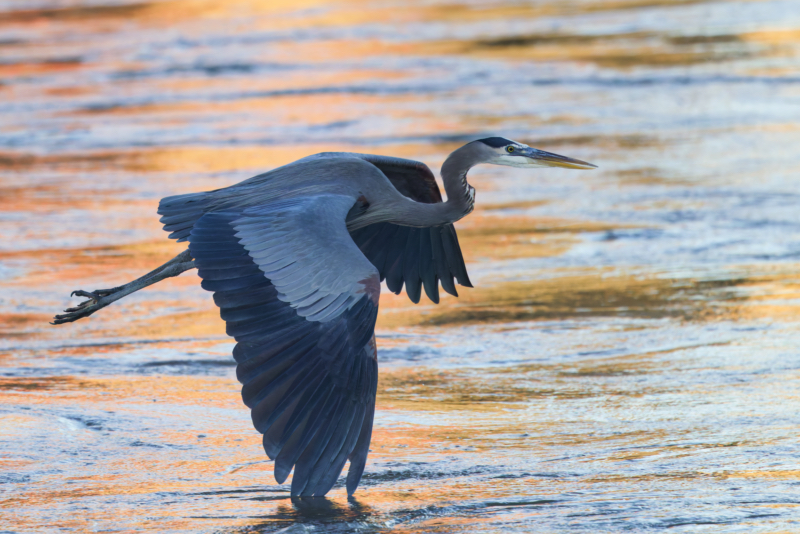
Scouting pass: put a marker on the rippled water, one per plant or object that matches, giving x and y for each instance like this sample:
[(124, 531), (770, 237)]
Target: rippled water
[(628, 359)]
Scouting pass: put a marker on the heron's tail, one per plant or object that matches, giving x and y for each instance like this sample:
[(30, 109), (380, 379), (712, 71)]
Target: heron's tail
[(179, 213)]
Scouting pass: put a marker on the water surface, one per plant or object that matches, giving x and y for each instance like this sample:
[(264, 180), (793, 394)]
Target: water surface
[(627, 360)]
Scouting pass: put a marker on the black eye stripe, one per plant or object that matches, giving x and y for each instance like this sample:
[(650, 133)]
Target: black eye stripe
[(495, 142)]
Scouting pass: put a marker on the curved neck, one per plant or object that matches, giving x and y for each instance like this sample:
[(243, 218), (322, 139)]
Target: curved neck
[(395, 208), (460, 195)]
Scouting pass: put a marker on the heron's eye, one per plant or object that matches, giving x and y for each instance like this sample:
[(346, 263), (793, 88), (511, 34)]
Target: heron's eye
[(509, 149)]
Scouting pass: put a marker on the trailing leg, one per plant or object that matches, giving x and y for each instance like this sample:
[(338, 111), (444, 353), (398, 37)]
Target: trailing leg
[(100, 298)]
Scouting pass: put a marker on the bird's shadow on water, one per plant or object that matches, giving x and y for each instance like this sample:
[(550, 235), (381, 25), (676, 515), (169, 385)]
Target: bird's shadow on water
[(328, 515)]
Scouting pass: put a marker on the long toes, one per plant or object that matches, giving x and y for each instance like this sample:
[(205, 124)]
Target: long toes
[(83, 305), (73, 314), (70, 312), (84, 309), (65, 318), (82, 293)]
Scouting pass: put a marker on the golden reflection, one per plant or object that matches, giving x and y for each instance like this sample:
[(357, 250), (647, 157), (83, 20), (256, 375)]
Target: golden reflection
[(220, 159), (598, 294), (49, 197), (136, 392), (21, 70), (783, 474), (44, 383), (648, 176), (606, 292), (771, 296), (216, 159), (21, 162), (185, 160), (92, 262), (519, 205), (159, 325), (501, 388), (624, 50), (342, 12), (80, 13), (777, 36), (485, 236), (19, 325), (615, 50)]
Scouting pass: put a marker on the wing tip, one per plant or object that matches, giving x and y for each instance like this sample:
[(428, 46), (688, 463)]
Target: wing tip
[(280, 473), (354, 474)]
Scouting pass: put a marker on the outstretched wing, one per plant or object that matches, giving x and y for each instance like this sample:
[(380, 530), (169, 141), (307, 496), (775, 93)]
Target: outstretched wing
[(418, 257), (412, 257), (301, 301)]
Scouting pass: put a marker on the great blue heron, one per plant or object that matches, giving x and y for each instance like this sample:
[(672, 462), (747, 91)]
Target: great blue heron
[(295, 258)]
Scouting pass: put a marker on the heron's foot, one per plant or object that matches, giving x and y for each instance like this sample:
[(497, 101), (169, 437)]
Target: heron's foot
[(93, 296), (97, 300)]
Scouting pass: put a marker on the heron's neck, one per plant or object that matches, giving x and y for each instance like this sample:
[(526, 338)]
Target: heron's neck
[(403, 211), (460, 195)]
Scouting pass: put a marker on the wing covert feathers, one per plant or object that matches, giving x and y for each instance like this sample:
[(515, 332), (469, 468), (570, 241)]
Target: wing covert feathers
[(305, 354)]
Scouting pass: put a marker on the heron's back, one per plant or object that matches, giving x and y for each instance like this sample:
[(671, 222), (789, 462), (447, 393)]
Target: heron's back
[(333, 172)]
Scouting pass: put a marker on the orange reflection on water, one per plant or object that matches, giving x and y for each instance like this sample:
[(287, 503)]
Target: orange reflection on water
[(553, 395)]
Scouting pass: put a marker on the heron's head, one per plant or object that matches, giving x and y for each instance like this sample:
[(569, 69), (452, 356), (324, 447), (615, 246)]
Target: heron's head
[(502, 151)]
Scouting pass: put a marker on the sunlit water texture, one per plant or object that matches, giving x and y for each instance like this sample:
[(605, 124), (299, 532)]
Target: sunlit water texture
[(628, 359)]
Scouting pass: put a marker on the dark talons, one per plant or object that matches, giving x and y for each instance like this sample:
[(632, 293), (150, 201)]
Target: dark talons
[(91, 295), (82, 293), (85, 308), (95, 295)]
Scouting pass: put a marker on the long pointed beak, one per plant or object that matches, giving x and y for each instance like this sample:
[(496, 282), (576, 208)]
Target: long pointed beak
[(548, 159)]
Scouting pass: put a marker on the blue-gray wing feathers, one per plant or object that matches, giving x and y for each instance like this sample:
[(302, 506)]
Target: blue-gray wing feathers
[(305, 354)]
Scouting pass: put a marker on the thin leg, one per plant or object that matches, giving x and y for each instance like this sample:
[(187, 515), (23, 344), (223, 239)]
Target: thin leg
[(100, 298)]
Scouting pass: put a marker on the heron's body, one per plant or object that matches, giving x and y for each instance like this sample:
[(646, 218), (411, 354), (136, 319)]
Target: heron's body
[(336, 173), (295, 257)]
